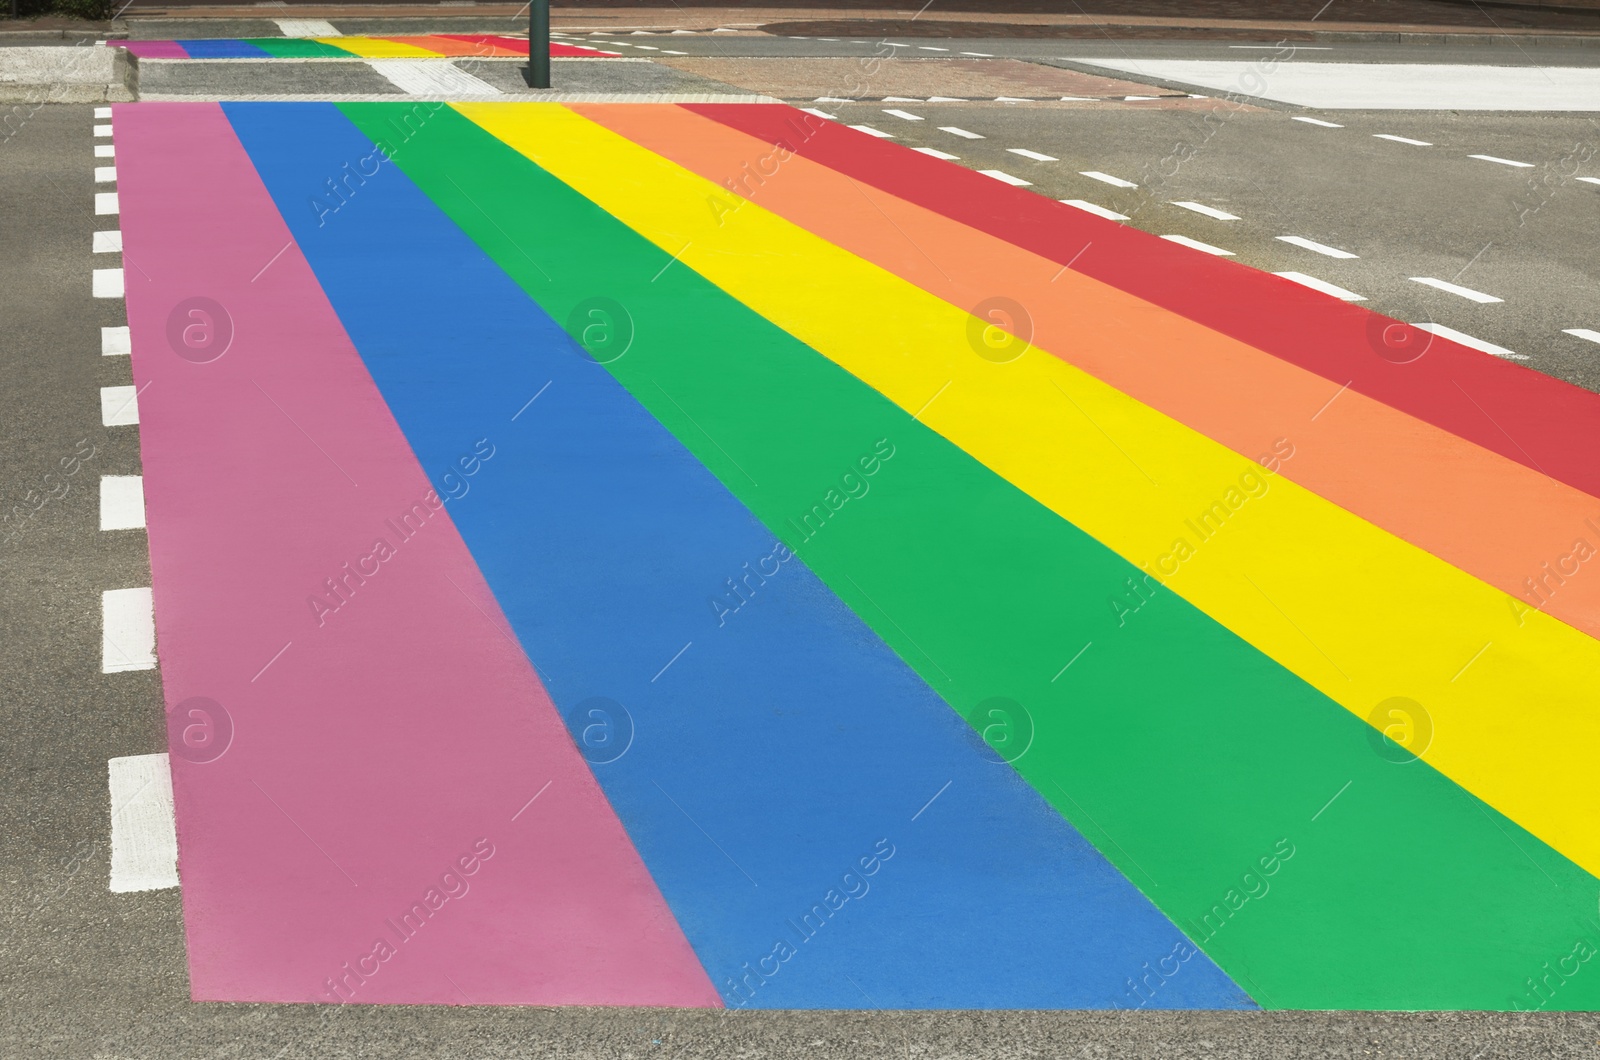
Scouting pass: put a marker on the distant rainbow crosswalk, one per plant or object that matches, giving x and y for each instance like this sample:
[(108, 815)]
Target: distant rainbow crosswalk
[(821, 576), (428, 46)]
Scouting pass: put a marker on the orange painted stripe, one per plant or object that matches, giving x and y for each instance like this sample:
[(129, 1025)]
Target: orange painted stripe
[(450, 47), (1496, 519)]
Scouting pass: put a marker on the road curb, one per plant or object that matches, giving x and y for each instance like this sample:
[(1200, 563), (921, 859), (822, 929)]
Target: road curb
[(81, 73)]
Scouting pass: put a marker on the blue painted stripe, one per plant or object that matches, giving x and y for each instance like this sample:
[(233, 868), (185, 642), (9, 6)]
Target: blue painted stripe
[(223, 49), (772, 755)]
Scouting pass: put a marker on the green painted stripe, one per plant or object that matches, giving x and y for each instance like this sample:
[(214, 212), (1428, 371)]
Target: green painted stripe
[(1182, 752), (295, 48)]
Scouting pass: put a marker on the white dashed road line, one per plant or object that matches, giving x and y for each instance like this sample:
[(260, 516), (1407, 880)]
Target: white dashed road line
[(1455, 289), (1006, 178), (108, 283), (108, 242), (952, 130), (1321, 285), (1582, 333), (119, 406), (904, 115), (1313, 245), (870, 131), (1098, 211), (934, 152), (1590, 180), (1107, 178), (127, 631), (1035, 155), (1503, 161), (105, 174), (105, 150), (1402, 140), (1474, 343), (144, 832), (121, 502), (102, 130), (1209, 211), (1317, 121), (105, 202), (820, 113), (115, 342), (102, 112), (979, 55), (1195, 244)]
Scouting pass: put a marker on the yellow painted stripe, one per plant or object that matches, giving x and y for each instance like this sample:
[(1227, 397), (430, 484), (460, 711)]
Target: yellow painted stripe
[(1360, 614), (378, 48)]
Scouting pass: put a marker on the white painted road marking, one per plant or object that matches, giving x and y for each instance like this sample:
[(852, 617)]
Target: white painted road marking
[(1209, 211), (1106, 178), (105, 174), (127, 631), (1583, 333), (960, 132), (102, 130), (119, 406), (1467, 340), (1317, 121), (121, 502), (870, 131), (1464, 292), (979, 55), (1381, 86), (1313, 245), (102, 112), (936, 153), (105, 150), (1402, 140), (820, 113), (108, 283), (105, 202), (925, 48), (306, 27), (1006, 178), (115, 341), (430, 77), (108, 242), (1590, 180), (1321, 285), (1503, 161), (1098, 211), (1035, 155), (905, 114), (1197, 245), (144, 831)]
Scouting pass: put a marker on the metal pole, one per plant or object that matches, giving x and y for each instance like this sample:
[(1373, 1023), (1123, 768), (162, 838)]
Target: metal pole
[(539, 43)]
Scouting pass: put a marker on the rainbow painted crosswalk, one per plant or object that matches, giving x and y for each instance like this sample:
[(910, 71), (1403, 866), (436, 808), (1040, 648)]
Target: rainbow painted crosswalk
[(716, 557), (429, 46)]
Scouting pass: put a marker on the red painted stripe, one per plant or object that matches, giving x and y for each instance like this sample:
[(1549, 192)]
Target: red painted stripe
[(373, 748), (1533, 419)]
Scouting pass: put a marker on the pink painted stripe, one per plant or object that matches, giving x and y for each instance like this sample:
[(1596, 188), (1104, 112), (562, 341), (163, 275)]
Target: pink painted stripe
[(371, 752), (151, 49)]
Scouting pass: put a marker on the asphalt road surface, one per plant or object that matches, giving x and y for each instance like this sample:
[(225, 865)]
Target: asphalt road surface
[(1367, 201)]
